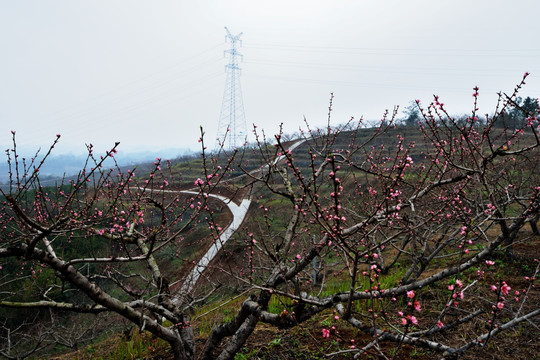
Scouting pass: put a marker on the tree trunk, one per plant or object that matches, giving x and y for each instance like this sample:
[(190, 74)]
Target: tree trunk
[(239, 338), (178, 351), (534, 227), (188, 339)]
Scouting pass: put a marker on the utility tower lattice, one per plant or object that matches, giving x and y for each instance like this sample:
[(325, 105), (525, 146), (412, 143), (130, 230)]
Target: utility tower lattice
[(232, 130)]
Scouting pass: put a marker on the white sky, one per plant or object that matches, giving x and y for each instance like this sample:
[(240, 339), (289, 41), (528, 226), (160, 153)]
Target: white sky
[(149, 73)]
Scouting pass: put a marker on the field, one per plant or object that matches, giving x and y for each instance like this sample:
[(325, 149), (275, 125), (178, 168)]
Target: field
[(390, 242)]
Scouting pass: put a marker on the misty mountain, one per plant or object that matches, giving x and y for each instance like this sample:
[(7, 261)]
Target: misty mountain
[(57, 166)]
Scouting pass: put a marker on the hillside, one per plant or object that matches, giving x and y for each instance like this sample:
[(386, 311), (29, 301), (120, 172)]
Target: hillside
[(385, 240)]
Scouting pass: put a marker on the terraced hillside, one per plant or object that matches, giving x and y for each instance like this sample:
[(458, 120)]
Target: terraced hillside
[(371, 242)]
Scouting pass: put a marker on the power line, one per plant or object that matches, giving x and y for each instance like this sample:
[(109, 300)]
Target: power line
[(533, 52), (385, 69)]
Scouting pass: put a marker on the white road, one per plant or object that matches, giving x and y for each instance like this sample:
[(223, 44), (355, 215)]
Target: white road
[(238, 212)]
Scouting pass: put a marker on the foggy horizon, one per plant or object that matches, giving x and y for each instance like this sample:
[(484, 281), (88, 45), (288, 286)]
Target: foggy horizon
[(149, 75)]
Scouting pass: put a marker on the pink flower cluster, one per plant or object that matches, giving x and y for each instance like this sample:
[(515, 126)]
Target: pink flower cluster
[(199, 182), (410, 318), (325, 333), (505, 289)]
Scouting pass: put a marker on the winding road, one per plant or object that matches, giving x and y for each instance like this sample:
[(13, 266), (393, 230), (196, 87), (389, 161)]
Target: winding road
[(238, 212)]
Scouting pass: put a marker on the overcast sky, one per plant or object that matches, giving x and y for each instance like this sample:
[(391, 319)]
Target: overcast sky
[(149, 73)]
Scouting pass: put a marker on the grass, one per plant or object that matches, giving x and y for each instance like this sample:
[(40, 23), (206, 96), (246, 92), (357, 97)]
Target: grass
[(139, 345), (122, 346), (305, 340)]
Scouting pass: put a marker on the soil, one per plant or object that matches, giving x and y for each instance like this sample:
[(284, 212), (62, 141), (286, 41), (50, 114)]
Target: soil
[(305, 341), (521, 342)]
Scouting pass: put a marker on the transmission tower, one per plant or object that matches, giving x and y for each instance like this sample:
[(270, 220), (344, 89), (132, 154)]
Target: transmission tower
[(232, 130)]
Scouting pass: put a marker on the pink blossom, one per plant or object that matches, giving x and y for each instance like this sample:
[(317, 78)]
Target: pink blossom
[(199, 182), (410, 294), (505, 288), (414, 320), (490, 263), (417, 306), (325, 333), (500, 305), (440, 324)]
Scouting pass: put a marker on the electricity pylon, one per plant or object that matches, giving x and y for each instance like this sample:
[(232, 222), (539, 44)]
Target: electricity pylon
[(232, 130)]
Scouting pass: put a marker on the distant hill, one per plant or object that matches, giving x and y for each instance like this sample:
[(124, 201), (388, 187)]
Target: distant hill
[(57, 166)]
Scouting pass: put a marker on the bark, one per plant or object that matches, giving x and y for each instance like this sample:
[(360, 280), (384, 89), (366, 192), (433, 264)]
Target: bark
[(225, 330), (94, 292), (534, 227), (488, 250), (239, 338)]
